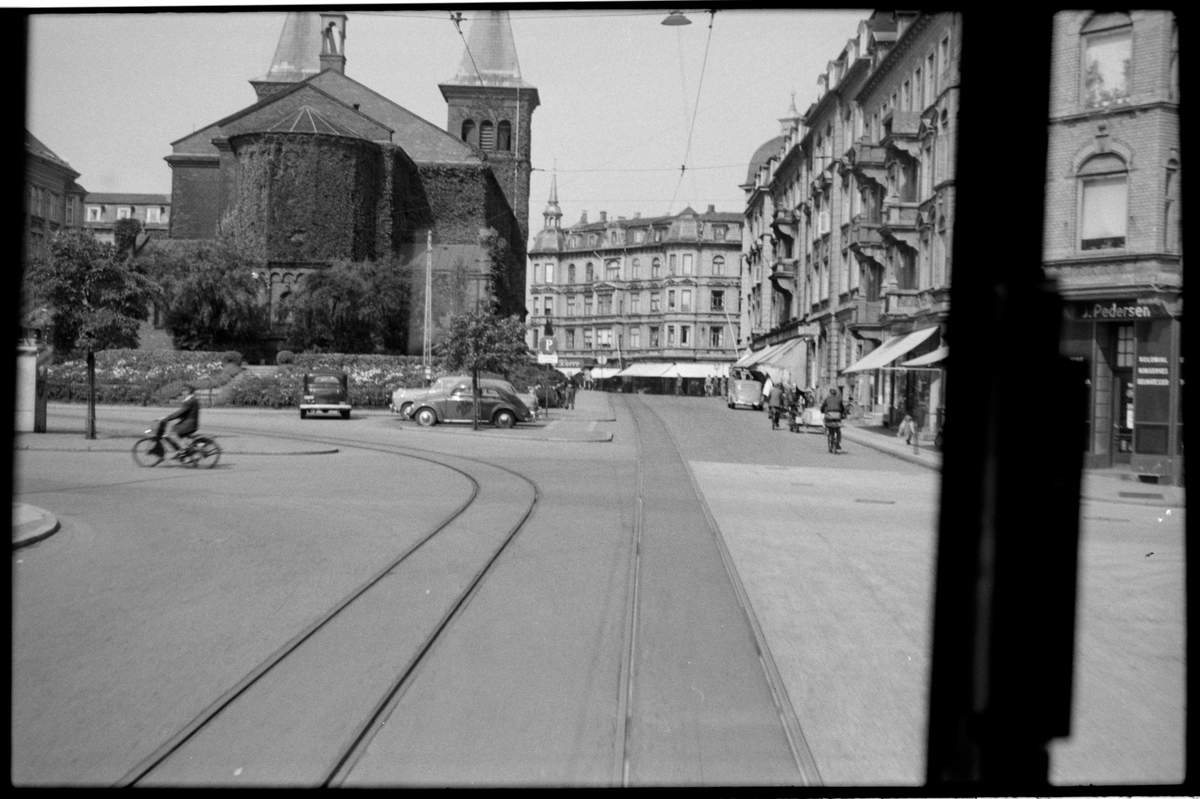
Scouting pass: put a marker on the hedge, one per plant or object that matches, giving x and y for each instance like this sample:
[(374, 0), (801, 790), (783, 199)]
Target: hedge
[(137, 376)]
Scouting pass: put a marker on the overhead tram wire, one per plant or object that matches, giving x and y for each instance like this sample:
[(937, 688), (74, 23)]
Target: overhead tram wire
[(695, 110)]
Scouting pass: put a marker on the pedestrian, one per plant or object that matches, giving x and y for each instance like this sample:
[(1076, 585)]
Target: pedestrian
[(908, 429), (775, 405), (570, 394)]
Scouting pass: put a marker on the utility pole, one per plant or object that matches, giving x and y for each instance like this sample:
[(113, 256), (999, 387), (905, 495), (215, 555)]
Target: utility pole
[(427, 346)]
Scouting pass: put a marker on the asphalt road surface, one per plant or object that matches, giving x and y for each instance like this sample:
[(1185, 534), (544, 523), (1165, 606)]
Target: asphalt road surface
[(701, 601)]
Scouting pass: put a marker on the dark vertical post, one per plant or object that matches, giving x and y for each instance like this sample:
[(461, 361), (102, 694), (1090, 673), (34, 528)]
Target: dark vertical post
[(1005, 593)]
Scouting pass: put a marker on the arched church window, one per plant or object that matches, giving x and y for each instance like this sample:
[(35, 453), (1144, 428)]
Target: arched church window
[(504, 136), (468, 131), (487, 135)]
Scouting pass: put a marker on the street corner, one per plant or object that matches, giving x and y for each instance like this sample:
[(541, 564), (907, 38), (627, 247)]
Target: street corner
[(31, 524)]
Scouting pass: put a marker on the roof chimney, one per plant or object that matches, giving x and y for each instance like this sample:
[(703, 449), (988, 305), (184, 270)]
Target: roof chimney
[(604, 216), (712, 209), (583, 218), (333, 41), (637, 214)]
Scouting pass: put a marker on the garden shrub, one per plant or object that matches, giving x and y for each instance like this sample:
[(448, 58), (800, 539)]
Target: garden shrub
[(285, 357), (232, 356), (131, 376)]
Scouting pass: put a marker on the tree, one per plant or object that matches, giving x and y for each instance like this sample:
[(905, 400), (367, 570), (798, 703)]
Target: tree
[(212, 296), (125, 233), (358, 307), (95, 301), (482, 342)]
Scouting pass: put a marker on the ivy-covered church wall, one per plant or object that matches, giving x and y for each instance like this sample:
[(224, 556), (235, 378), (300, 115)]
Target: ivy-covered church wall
[(308, 198)]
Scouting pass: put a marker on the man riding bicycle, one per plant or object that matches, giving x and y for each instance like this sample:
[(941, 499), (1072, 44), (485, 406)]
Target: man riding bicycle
[(189, 421), (834, 410)]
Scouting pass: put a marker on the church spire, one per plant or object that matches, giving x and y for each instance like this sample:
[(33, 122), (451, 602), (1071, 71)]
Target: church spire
[(552, 214), (297, 56), (490, 54)]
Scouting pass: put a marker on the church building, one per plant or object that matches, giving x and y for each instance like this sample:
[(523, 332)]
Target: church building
[(322, 168)]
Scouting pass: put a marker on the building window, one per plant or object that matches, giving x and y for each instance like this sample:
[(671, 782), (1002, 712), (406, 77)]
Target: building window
[(672, 263), (487, 135), (654, 302), (718, 266), (919, 88), (548, 308), (671, 300), (670, 335), (612, 270), (716, 337), (639, 236), (570, 273), (685, 300), (656, 268), (604, 304), (717, 302), (687, 264), (537, 273), (93, 213), (604, 337), (587, 338), (468, 131), (635, 269), (1103, 203), (635, 338), (685, 335), (1173, 65), (719, 232), (122, 213), (589, 273), (504, 136), (570, 338), (154, 215), (550, 273), (1171, 208), (635, 303), (658, 234), (54, 200), (70, 210), (588, 301), (1107, 46), (570, 305), (1124, 346), (654, 337)]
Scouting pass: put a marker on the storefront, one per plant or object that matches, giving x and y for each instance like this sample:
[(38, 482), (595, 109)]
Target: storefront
[(1133, 351), (894, 389)]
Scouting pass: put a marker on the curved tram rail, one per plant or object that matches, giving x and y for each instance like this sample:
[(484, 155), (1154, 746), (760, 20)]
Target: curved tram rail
[(333, 718)]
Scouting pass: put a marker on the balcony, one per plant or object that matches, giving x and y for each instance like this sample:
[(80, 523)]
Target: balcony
[(783, 274), (863, 236), (900, 224), (786, 223), (867, 161)]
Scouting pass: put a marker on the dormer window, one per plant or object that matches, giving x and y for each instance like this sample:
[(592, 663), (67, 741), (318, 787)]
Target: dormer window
[(123, 213)]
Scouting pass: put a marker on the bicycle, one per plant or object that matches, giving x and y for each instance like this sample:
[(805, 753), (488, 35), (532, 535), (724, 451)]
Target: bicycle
[(201, 451), (833, 431)]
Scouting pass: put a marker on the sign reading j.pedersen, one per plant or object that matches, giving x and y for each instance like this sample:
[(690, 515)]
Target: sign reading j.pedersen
[(1126, 309)]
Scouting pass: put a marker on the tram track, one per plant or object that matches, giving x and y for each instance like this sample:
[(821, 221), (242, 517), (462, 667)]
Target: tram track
[(305, 714)]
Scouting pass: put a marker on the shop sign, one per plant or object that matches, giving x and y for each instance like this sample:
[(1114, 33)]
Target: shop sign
[(1117, 311)]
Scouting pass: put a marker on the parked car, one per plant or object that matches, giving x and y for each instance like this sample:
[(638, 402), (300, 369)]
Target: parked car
[(744, 389), (325, 390), (498, 405), (405, 400)]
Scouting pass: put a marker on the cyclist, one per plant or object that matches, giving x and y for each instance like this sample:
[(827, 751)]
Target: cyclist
[(189, 421), (830, 406)]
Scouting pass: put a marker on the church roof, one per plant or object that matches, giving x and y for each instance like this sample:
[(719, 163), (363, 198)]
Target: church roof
[(298, 54), (762, 155), (307, 119), (490, 50)]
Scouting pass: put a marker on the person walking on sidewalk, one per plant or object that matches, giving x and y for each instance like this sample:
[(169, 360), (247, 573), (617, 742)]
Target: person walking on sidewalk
[(775, 405), (569, 401)]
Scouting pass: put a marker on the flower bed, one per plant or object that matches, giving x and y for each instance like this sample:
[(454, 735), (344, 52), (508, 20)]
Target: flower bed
[(136, 376)]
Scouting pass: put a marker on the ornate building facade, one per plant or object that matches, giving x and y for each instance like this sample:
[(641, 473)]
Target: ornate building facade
[(1113, 230), (849, 213), (643, 290)]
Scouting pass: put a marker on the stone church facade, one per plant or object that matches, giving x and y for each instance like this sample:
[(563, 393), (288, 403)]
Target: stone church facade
[(322, 168)]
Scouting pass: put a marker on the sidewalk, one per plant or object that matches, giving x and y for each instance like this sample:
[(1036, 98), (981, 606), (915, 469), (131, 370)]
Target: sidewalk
[(1098, 485), (30, 525)]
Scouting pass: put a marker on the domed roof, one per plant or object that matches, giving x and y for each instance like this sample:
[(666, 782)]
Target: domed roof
[(307, 119), (762, 155), (548, 240)]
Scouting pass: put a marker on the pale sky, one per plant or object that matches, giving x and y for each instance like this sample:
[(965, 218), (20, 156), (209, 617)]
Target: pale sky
[(109, 92)]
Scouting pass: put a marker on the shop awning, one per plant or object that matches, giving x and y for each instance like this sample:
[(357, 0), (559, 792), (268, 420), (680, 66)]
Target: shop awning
[(700, 370), (644, 370), (751, 358), (929, 359), (569, 371), (890, 350), (779, 352), (604, 372)]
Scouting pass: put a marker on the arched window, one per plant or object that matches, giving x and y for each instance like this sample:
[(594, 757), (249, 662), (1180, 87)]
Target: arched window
[(1103, 202), (635, 269), (588, 273), (504, 136), (718, 265), (612, 270), (570, 273), (656, 268), (1107, 59), (1171, 208), (468, 131), (487, 135)]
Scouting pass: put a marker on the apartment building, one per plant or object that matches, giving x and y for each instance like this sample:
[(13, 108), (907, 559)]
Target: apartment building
[(103, 210), (53, 200)]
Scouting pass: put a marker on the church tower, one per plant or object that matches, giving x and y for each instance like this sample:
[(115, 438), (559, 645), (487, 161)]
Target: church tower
[(297, 56), (490, 107)]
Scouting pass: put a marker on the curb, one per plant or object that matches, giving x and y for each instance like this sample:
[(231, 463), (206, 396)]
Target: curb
[(33, 531), (904, 456), (224, 452)]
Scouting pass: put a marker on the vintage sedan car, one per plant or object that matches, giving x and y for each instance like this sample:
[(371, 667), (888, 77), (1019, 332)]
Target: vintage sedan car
[(405, 400), (744, 389), (498, 405), (327, 391)]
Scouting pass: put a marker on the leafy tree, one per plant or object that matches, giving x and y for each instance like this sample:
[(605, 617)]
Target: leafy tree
[(125, 233), (212, 296), (93, 299), (482, 342), (354, 307)]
